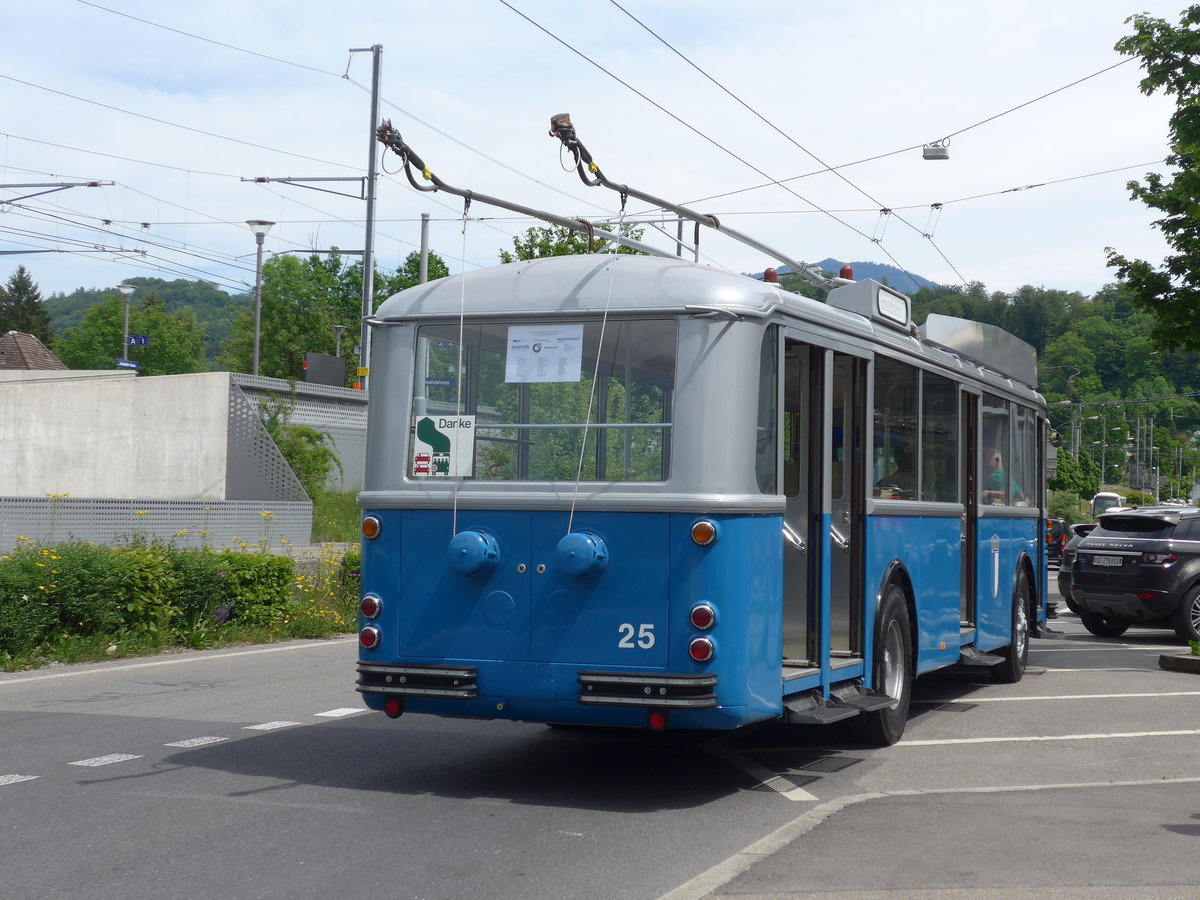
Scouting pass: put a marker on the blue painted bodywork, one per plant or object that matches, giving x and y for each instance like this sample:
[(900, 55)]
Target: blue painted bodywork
[(529, 632)]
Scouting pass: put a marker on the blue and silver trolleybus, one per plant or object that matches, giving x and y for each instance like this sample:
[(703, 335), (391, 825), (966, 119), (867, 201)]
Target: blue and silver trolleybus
[(636, 491)]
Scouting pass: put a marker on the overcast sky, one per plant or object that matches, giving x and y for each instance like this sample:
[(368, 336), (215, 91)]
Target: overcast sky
[(175, 104)]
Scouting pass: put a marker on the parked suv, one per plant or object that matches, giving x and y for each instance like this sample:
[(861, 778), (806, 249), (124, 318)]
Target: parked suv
[(1066, 565), (1140, 567)]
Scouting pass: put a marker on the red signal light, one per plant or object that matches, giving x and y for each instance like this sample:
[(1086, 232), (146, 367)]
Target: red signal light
[(701, 649), (368, 638), (657, 720), (371, 606), (393, 707), (703, 616)]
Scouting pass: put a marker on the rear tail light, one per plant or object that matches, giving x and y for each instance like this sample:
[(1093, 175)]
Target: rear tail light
[(394, 707), (368, 638), (1160, 559), (701, 649), (371, 526), (657, 720), (371, 606), (703, 617)]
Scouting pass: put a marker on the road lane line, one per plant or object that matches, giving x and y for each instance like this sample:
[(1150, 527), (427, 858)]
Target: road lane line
[(764, 776), (1122, 696), (16, 779), (724, 872), (196, 741), (269, 726), (104, 669), (342, 711), (105, 760), (1035, 738)]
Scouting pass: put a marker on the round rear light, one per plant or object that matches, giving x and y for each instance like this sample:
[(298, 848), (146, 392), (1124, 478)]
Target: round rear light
[(371, 527), (703, 617), (704, 532), (657, 720), (393, 707), (371, 606), (368, 638), (701, 649)]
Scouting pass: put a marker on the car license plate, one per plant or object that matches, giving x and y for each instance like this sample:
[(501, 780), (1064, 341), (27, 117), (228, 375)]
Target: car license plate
[(1108, 562)]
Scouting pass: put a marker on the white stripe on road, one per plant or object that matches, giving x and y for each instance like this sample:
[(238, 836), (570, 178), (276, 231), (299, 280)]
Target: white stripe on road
[(269, 726), (103, 669), (1034, 738), (342, 711), (105, 760), (196, 741), (16, 779), (971, 700)]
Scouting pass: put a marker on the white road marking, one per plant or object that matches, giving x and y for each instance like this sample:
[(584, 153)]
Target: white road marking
[(94, 670), (342, 711), (724, 872), (105, 760), (269, 726), (16, 779), (1049, 737), (196, 741), (972, 700), (764, 776)]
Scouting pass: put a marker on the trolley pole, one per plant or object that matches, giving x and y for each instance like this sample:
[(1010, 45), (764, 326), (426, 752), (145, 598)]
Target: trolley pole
[(368, 295)]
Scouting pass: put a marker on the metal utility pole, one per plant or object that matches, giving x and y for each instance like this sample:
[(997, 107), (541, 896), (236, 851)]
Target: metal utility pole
[(368, 295)]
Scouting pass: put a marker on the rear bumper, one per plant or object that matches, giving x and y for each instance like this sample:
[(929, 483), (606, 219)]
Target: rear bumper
[(1125, 604)]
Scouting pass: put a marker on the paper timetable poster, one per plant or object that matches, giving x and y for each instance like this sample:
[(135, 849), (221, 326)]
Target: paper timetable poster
[(543, 353)]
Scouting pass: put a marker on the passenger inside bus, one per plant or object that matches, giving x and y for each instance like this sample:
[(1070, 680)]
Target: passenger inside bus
[(998, 486), (900, 484)]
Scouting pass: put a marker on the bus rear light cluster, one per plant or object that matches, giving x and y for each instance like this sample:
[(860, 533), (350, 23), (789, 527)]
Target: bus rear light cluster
[(371, 606), (368, 638), (701, 649), (371, 526), (704, 532), (703, 617)]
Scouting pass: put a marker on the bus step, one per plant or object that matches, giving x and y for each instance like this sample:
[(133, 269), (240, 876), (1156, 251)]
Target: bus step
[(970, 656), (813, 709), (861, 699)]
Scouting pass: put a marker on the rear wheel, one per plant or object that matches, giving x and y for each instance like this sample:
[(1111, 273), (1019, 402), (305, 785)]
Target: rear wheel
[(1102, 627), (1016, 654), (893, 672), (1186, 619)]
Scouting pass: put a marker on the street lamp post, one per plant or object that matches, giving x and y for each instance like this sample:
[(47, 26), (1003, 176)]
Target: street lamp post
[(260, 228), (126, 290)]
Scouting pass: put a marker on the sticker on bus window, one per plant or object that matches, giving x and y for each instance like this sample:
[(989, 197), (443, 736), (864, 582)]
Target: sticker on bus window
[(542, 353), (443, 446)]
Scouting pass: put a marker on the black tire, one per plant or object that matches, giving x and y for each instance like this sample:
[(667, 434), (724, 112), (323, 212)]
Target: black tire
[(1071, 604), (1016, 654), (893, 672), (1102, 627), (1186, 619)]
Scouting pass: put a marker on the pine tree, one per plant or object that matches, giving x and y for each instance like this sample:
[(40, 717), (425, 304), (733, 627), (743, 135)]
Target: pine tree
[(21, 307)]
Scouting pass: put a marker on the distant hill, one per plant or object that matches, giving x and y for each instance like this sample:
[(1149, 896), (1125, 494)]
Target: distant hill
[(215, 309), (884, 274)]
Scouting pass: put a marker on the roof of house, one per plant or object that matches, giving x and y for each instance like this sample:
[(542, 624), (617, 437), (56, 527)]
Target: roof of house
[(23, 351)]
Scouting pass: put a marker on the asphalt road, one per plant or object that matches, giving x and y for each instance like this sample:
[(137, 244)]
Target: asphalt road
[(256, 773)]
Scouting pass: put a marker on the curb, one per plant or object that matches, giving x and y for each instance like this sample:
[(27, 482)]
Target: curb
[(1187, 663)]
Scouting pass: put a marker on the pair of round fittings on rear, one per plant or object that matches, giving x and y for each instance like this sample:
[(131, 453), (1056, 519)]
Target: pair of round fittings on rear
[(580, 554)]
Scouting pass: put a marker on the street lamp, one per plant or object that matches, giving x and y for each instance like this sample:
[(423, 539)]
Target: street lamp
[(260, 227), (126, 290)]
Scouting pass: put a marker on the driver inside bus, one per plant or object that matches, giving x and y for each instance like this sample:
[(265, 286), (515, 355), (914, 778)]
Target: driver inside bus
[(997, 484), (900, 484)]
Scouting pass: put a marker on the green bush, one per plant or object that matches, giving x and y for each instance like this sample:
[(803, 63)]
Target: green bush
[(78, 601)]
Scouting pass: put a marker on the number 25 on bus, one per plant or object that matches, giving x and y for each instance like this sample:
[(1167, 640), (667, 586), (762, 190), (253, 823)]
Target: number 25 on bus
[(675, 497)]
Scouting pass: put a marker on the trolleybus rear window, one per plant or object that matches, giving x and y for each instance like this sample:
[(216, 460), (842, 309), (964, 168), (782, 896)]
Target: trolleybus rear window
[(549, 403)]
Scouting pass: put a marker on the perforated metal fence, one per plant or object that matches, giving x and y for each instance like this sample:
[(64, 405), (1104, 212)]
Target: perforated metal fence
[(340, 412), (186, 523)]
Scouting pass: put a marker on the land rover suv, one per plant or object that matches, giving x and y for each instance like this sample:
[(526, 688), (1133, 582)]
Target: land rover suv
[(1140, 567)]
